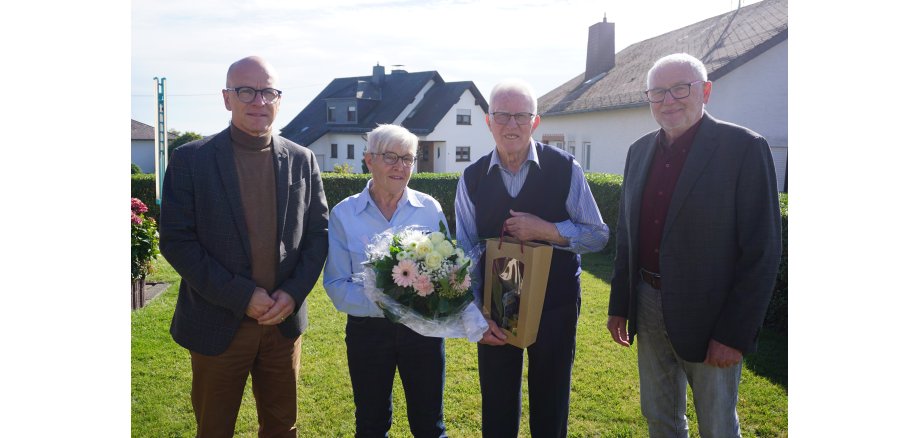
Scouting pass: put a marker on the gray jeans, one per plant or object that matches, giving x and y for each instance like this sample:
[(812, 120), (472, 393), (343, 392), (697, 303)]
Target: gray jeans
[(663, 379)]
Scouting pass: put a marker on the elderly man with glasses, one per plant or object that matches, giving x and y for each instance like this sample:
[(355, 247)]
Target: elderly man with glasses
[(698, 249), (540, 193), (243, 222)]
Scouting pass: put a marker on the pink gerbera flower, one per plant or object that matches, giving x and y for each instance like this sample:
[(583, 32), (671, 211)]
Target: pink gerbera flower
[(405, 273), (465, 284), (423, 285), (460, 284)]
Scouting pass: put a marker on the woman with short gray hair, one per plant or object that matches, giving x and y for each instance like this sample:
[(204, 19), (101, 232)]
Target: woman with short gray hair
[(376, 346)]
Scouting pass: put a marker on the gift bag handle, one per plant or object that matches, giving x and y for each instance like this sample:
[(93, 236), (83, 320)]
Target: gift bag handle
[(501, 238)]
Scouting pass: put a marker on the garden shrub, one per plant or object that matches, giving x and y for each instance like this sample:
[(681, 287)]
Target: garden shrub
[(778, 312)]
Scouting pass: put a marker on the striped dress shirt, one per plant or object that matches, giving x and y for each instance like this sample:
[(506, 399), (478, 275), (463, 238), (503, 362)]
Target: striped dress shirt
[(585, 230)]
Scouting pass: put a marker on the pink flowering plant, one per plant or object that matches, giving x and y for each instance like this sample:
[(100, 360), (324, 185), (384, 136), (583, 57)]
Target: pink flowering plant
[(145, 240), (421, 279)]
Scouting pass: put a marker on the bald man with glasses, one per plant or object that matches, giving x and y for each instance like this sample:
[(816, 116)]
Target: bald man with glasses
[(244, 223)]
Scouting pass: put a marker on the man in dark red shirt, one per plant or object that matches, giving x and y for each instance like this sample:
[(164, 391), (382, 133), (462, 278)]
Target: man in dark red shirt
[(698, 249)]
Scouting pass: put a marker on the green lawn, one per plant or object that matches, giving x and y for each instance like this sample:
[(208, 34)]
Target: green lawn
[(605, 383)]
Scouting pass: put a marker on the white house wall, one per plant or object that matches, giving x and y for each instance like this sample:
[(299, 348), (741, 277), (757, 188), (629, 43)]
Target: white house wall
[(323, 150), (448, 135), (142, 154), (609, 132), (756, 95)]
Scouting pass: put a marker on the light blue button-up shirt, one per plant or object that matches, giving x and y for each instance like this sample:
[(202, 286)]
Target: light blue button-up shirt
[(353, 223), (585, 230)]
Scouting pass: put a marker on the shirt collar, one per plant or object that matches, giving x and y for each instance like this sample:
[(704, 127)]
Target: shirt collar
[(685, 140), (531, 156), (409, 195)]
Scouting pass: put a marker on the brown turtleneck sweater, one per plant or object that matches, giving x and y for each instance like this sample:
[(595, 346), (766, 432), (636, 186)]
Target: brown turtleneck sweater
[(256, 172)]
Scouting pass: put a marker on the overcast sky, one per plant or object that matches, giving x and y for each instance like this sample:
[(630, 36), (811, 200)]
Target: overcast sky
[(544, 42)]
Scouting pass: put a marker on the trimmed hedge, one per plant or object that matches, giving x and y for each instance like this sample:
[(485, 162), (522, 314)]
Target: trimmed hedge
[(442, 186), (778, 312), (143, 187)]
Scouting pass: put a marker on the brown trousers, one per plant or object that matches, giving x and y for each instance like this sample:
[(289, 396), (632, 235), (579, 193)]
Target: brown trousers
[(218, 382)]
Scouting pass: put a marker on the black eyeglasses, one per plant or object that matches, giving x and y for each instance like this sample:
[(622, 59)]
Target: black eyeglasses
[(679, 91), (503, 118), (391, 158), (248, 94)]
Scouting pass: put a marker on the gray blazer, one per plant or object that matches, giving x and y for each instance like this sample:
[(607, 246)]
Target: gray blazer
[(721, 244), (203, 236)]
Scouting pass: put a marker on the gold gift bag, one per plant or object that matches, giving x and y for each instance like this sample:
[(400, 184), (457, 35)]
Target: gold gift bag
[(515, 285)]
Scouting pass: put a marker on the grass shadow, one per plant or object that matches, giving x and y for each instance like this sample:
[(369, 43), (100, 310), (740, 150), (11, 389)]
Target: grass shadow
[(771, 359), (599, 264)]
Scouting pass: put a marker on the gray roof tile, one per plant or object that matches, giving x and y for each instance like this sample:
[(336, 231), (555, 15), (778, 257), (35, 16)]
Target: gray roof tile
[(143, 131)]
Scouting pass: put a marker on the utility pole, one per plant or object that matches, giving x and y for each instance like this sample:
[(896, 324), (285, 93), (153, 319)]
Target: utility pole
[(160, 137)]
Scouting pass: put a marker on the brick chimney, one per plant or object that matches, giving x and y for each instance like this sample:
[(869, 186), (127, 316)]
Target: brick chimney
[(601, 50)]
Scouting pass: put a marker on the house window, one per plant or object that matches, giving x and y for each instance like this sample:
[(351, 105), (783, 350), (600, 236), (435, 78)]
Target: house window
[(587, 154), (463, 153), (334, 151), (463, 116), (557, 144), (352, 113), (330, 114), (572, 147), (351, 152)]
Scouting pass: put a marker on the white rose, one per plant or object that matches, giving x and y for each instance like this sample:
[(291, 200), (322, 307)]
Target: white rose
[(433, 260), (423, 248), (445, 248), (436, 237), (459, 251)]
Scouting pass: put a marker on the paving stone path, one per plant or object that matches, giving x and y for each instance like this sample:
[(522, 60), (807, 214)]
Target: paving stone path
[(153, 290)]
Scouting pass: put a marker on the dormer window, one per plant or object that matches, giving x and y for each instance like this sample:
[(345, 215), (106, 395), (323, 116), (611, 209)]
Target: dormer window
[(352, 113), (341, 111)]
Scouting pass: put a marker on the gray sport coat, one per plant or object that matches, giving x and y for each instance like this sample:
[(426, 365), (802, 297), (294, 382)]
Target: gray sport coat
[(203, 235), (721, 244)]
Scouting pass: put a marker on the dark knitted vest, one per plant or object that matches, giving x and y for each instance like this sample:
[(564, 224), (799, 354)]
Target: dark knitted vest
[(543, 194)]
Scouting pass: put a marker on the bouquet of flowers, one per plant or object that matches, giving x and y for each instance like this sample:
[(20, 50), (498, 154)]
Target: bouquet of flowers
[(421, 280)]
